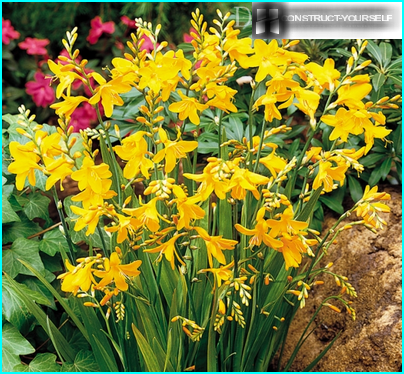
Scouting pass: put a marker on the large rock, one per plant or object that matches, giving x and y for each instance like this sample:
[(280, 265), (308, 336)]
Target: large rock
[(372, 262)]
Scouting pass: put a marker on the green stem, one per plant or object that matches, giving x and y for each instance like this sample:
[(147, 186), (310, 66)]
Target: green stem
[(260, 146), (64, 225), (104, 245)]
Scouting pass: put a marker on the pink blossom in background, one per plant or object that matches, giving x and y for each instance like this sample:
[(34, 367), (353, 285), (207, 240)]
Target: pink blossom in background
[(34, 46), (187, 37), (147, 45), (83, 117), (98, 28), (8, 32), (127, 21), (42, 94)]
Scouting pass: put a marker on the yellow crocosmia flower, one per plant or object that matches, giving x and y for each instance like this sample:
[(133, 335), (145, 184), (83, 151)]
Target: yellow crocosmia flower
[(327, 174), (326, 75), (273, 163), (223, 273), (188, 107), (58, 169), (125, 69), (108, 92), (307, 101), (68, 106), (244, 180), (78, 277), (108, 295), (346, 122), (87, 217), (238, 49), (211, 74), (134, 150), (187, 208), (282, 85), (286, 224), (208, 52), (147, 214), (377, 131), (264, 59), (292, 250), (215, 245), (24, 164), (65, 75), (92, 176), (115, 272), (223, 97), (369, 207), (169, 251), (90, 198), (126, 226), (173, 150), (180, 63), (352, 95), (214, 178), (260, 232), (48, 144), (271, 111)]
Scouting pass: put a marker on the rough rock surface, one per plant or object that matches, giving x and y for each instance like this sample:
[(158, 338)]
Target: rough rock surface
[(372, 262)]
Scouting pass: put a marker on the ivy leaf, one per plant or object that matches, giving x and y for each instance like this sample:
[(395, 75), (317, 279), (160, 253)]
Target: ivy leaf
[(83, 362), (51, 241), (37, 206), (14, 344), (24, 249), (43, 362), (8, 214), (23, 229)]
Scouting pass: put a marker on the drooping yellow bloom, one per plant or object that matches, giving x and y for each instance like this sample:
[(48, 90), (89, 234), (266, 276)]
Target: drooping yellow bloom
[(188, 107), (223, 97), (173, 150), (292, 250), (238, 49), (223, 273), (260, 232), (307, 102), (325, 75), (68, 106), (169, 251), (126, 226), (88, 217), (90, 198), (271, 111), (244, 180), (65, 75), (91, 175), (273, 163), (215, 245), (78, 277), (24, 164), (352, 95), (147, 214), (187, 208), (134, 150), (59, 169), (115, 272), (215, 177), (108, 92), (286, 224), (125, 69), (369, 207), (327, 174)]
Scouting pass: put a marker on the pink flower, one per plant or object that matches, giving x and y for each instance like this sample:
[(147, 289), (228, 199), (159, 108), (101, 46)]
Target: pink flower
[(127, 21), (187, 37), (147, 45), (98, 28), (8, 32), (42, 94), (83, 117), (34, 46)]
